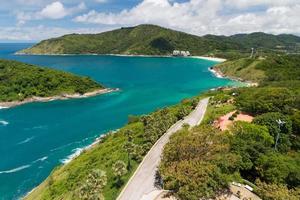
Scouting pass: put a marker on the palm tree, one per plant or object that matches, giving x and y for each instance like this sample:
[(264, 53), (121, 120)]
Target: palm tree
[(93, 186), (129, 146), (119, 169)]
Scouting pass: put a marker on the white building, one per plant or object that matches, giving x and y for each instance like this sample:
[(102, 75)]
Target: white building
[(181, 53)]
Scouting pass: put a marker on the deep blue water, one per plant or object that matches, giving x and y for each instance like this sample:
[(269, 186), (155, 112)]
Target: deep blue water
[(36, 137)]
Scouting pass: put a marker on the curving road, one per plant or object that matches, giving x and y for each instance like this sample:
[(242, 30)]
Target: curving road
[(141, 185)]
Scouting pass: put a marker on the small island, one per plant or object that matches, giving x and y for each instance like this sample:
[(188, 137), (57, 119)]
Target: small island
[(22, 83)]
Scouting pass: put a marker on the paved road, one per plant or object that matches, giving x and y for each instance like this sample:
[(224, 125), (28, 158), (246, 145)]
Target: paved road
[(141, 184)]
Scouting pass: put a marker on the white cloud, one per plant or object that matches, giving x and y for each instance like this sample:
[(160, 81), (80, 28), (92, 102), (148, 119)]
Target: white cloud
[(101, 1), (205, 16), (55, 10), (248, 3)]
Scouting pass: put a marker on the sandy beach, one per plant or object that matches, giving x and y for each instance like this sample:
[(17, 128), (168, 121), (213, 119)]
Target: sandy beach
[(209, 58), (129, 55), (59, 97)]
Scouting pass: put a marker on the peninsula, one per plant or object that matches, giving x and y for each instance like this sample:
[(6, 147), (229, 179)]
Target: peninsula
[(22, 83)]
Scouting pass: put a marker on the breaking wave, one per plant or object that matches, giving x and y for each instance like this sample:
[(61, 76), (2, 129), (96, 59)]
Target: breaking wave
[(15, 169), (25, 141), (4, 123)]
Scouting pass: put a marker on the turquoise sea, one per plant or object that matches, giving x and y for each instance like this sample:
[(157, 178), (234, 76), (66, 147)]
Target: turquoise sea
[(37, 137)]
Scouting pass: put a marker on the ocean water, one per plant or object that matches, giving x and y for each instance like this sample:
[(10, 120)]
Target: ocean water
[(37, 137)]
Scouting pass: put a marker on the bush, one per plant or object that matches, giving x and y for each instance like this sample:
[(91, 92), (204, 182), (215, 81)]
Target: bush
[(267, 99)]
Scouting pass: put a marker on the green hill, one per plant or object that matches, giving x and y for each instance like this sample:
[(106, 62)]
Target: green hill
[(269, 70), (19, 81), (156, 40)]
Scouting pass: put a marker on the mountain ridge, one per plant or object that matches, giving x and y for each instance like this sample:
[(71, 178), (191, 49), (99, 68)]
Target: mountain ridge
[(149, 39)]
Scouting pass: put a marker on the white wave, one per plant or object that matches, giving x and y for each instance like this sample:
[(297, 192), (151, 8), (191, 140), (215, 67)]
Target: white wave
[(15, 169), (215, 73), (4, 123), (76, 153), (25, 141), (41, 159), (2, 107), (61, 147)]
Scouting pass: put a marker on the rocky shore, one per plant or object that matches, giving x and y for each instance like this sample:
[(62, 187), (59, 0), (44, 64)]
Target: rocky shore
[(218, 73), (59, 97)]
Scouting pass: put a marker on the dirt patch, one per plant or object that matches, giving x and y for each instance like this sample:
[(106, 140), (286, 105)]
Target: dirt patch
[(223, 123)]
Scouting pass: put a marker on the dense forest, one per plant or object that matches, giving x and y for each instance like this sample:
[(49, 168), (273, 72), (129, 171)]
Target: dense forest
[(19, 81), (155, 40), (202, 162)]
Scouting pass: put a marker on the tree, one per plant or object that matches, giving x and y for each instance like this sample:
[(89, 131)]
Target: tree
[(128, 146), (270, 120), (197, 163), (133, 119), (279, 168), (183, 111), (296, 122), (119, 169), (93, 186), (276, 191), (250, 141), (265, 99)]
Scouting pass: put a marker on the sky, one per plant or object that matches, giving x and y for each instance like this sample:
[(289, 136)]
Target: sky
[(35, 20)]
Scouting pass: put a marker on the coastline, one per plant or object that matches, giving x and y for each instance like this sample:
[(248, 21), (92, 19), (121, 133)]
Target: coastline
[(217, 72), (78, 153), (4, 105), (215, 59)]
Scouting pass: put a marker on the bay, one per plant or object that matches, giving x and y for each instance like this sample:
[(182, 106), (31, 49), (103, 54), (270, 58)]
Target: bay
[(37, 137)]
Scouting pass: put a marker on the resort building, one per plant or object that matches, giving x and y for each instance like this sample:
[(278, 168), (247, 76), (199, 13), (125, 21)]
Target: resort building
[(181, 53)]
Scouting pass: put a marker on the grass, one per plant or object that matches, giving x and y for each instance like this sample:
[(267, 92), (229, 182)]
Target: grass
[(214, 111), (244, 68)]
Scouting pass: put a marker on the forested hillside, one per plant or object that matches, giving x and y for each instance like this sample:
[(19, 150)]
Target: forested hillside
[(19, 81), (271, 69), (155, 40), (202, 162)]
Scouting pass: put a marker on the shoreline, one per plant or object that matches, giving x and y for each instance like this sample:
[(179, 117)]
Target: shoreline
[(5, 105), (217, 72), (215, 59), (77, 153)]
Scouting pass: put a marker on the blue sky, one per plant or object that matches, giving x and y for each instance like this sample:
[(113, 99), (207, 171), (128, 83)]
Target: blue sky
[(34, 20)]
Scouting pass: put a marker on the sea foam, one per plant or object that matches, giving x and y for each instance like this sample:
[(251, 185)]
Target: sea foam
[(76, 153), (4, 123), (25, 141), (15, 169), (41, 159)]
